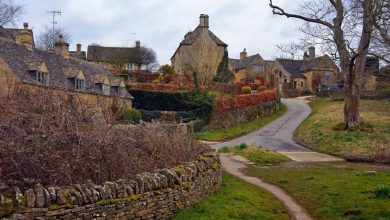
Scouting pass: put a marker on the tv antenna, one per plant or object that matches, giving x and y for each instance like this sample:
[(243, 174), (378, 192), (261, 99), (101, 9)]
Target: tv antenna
[(54, 22)]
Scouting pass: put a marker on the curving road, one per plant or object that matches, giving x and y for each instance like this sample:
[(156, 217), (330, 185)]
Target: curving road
[(277, 135)]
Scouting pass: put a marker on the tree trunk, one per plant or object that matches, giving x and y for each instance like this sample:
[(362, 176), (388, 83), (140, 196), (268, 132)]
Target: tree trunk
[(352, 100)]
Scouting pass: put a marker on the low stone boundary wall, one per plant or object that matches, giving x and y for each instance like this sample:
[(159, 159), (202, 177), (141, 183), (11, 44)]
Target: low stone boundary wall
[(156, 195), (224, 119)]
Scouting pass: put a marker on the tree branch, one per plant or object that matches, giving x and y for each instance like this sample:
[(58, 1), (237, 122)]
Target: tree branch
[(276, 10)]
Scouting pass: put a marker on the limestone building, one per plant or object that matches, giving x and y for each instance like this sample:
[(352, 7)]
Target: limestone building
[(251, 69), (21, 64), (200, 51), (116, 59), (308, 74)]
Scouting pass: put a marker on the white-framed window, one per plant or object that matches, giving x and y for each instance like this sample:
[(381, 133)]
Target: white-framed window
[(122, 91), (106, 89), (79, 84), (42, 78), (129, 66)]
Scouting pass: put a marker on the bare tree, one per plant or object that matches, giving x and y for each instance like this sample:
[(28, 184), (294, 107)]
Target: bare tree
[(348, 27), (9, 12), (47, 38), (148, 59), (292, 50)]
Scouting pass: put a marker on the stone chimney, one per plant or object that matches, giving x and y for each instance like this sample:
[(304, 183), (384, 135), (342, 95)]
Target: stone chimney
[(204, 21), (25, 37), (243, 54), (61, 47), (78, 46), (312, 52), (138, 44)]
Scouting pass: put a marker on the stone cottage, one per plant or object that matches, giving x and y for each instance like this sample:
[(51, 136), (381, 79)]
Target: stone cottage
[(21, 64), (200, 51), (116, 59), (308, 74), (251, 69)]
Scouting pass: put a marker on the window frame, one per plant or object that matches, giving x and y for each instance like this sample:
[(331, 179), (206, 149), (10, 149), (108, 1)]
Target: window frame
[(106, 89), (42, 78)]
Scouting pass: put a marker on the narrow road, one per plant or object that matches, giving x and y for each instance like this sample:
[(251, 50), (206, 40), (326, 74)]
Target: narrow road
[(278, 135)]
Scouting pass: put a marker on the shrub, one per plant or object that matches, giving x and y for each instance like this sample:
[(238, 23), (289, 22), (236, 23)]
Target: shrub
[(55, 139), (167, 69), (201, 103), (131, 115), (246, 90), (141, 79), (382, 192), (261, 88), (241, 146)]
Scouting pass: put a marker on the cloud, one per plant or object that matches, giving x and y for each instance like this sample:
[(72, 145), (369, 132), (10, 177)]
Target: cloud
[(161, 25)]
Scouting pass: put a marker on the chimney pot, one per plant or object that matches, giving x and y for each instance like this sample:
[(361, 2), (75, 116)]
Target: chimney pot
[(204, 21), (25, 25), (138, 44), (78, 46)]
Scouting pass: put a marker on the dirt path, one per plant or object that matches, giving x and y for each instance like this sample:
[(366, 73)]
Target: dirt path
[(233, 164)]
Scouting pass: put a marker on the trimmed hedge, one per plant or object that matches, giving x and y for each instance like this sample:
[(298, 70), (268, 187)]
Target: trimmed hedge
[(163, 101)]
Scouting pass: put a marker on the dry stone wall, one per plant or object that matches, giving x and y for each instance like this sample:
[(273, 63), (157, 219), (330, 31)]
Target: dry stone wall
[(156, 195)]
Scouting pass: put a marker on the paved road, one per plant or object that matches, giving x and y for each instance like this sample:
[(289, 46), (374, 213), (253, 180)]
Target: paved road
[(277, 136)]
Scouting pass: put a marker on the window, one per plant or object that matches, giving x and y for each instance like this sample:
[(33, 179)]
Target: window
[(42, 78), (79, 84), (122, 91), (258, 68), (295, 84), (129, 66), (106, 89), (325, 79), (302, 84)]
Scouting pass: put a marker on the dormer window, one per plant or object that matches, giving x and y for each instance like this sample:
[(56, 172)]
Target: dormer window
[(79, 84), (76, 78), (39, 72), (106, 89), (122, 91), (42, 78)]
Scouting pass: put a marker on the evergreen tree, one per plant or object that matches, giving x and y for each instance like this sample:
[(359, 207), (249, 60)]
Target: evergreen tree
[(224, 75)]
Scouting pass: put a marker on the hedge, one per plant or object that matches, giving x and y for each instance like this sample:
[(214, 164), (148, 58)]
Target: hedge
[(163, 101)]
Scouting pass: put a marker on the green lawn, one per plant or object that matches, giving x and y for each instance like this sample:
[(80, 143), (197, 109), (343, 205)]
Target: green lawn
[(333, 191), (372, 144), (223, 134), (257, 155), (236, 200)]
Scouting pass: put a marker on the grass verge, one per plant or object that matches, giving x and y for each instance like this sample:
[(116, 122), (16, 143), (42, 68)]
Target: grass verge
[(257, 155), (370, 143), (223, 134), (236, 200), (333, 191)]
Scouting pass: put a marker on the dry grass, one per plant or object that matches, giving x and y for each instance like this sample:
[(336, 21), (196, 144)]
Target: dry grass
[(369, 144), (56, 139)]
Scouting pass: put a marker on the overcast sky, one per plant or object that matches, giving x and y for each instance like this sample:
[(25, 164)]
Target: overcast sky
[(162, 24)]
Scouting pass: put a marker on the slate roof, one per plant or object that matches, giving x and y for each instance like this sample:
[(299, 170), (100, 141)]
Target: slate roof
[(191, 36), (270, 63), (107, 54), (244, 63), (12, 33), (82, 55), (293, 67), (21, 60)]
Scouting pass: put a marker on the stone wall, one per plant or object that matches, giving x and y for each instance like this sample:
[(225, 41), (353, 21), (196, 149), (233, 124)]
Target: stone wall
[(156, 195), (224, 119)]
